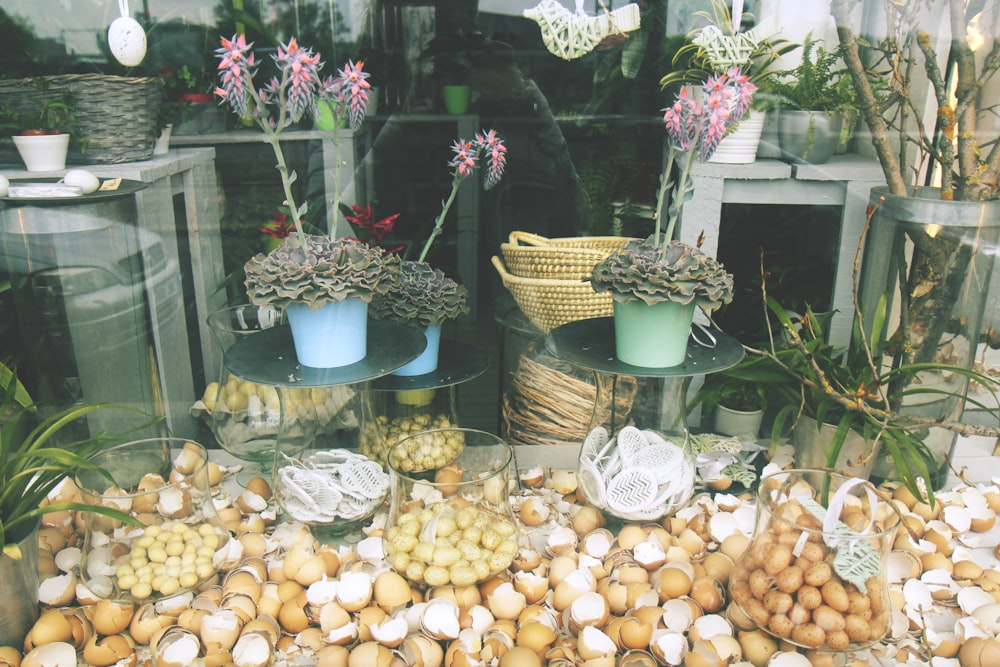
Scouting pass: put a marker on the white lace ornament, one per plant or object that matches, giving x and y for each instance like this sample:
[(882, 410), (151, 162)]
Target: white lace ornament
[(571, 35), (331, 485), (638, 475)]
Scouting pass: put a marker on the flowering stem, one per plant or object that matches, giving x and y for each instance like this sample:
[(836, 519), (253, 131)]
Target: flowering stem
[(272, 137), (439, 223), (679, 195), (664, 184)]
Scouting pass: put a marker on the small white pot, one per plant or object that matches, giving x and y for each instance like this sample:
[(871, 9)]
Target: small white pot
[(737, 422), (163, 141), (44, 152), (740, 145)]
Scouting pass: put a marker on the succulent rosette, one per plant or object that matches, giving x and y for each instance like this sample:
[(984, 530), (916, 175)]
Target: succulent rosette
[(322, 270), (420, 295), (653, 273)]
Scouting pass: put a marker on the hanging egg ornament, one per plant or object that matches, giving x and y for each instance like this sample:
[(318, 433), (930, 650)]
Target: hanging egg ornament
[(126, 38)]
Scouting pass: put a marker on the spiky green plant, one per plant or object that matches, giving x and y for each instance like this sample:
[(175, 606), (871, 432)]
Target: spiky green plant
[(33, 462)]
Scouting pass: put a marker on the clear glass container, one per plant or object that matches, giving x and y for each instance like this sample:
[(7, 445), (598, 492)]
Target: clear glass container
[(162, 483), (407, 405), (814, 572), (405, 412), (931, 261), (450, 520), (326, 480), (635, 462), (245, 416)]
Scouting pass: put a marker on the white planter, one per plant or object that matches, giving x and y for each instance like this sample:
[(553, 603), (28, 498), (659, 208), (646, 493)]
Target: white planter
[(43, 152), (737, 422), (740, 145), (163, 141)]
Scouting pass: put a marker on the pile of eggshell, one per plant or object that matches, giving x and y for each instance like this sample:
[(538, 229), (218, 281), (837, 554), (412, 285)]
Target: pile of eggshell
[(577, 594)]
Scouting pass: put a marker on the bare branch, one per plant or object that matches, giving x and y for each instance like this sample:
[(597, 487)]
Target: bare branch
[(866, 98)]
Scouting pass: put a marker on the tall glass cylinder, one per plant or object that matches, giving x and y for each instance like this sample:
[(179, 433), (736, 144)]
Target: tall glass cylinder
[(931, 261)]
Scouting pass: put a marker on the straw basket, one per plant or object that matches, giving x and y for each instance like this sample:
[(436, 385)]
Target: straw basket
[(551, 302), (117, 115), (533, 256)]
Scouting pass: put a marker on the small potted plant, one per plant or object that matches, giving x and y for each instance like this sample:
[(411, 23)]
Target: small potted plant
[(323, 285), (715, 48), (189, 103), (737, 405), (425, 297), (817, 105), (659, 278), (41, 134)]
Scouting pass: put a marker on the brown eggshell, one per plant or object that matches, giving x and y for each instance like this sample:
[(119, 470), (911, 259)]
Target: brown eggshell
[(105, 651)]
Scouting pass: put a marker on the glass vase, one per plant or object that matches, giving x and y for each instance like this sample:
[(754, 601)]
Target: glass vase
[(245, 416), (931, 261), (814, 571), (180, 542), (398, 414), (450, 521), (325, 479), (635, 463)]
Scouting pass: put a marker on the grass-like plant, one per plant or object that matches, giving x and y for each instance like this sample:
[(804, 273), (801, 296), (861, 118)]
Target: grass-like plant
[(33, 461)]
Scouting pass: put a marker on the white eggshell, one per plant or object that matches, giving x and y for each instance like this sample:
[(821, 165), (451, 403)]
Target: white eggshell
[(972, 598), (56, 654), (127, 41), (669, 647), (82, 179), (988, 616), (788, 659)]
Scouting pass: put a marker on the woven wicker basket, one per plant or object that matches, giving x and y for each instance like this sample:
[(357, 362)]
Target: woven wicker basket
[(117, 115), (533, 256), (550, 302)]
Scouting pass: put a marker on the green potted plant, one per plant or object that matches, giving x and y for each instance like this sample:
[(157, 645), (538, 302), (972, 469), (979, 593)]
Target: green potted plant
[(189, 103), (816, 105), (735, 398), (656, 283), (35, 457), (41, 132), (324, 285), (839, 406), (716, 47)]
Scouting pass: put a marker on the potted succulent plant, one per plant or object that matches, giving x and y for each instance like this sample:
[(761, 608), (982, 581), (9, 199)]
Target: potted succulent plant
[(35, 457), (714, 48), (816, 105), (323, 285), (425, 297), (41, 134), (660, 278)]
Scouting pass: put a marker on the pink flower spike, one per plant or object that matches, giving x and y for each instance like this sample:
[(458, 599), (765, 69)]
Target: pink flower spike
[(496, 154), (354, 84), (464, 161), (236, 65)]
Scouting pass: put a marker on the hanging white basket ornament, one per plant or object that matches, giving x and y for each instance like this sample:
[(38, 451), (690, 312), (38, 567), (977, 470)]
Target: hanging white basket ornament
[(126, 38), (571, 35)]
